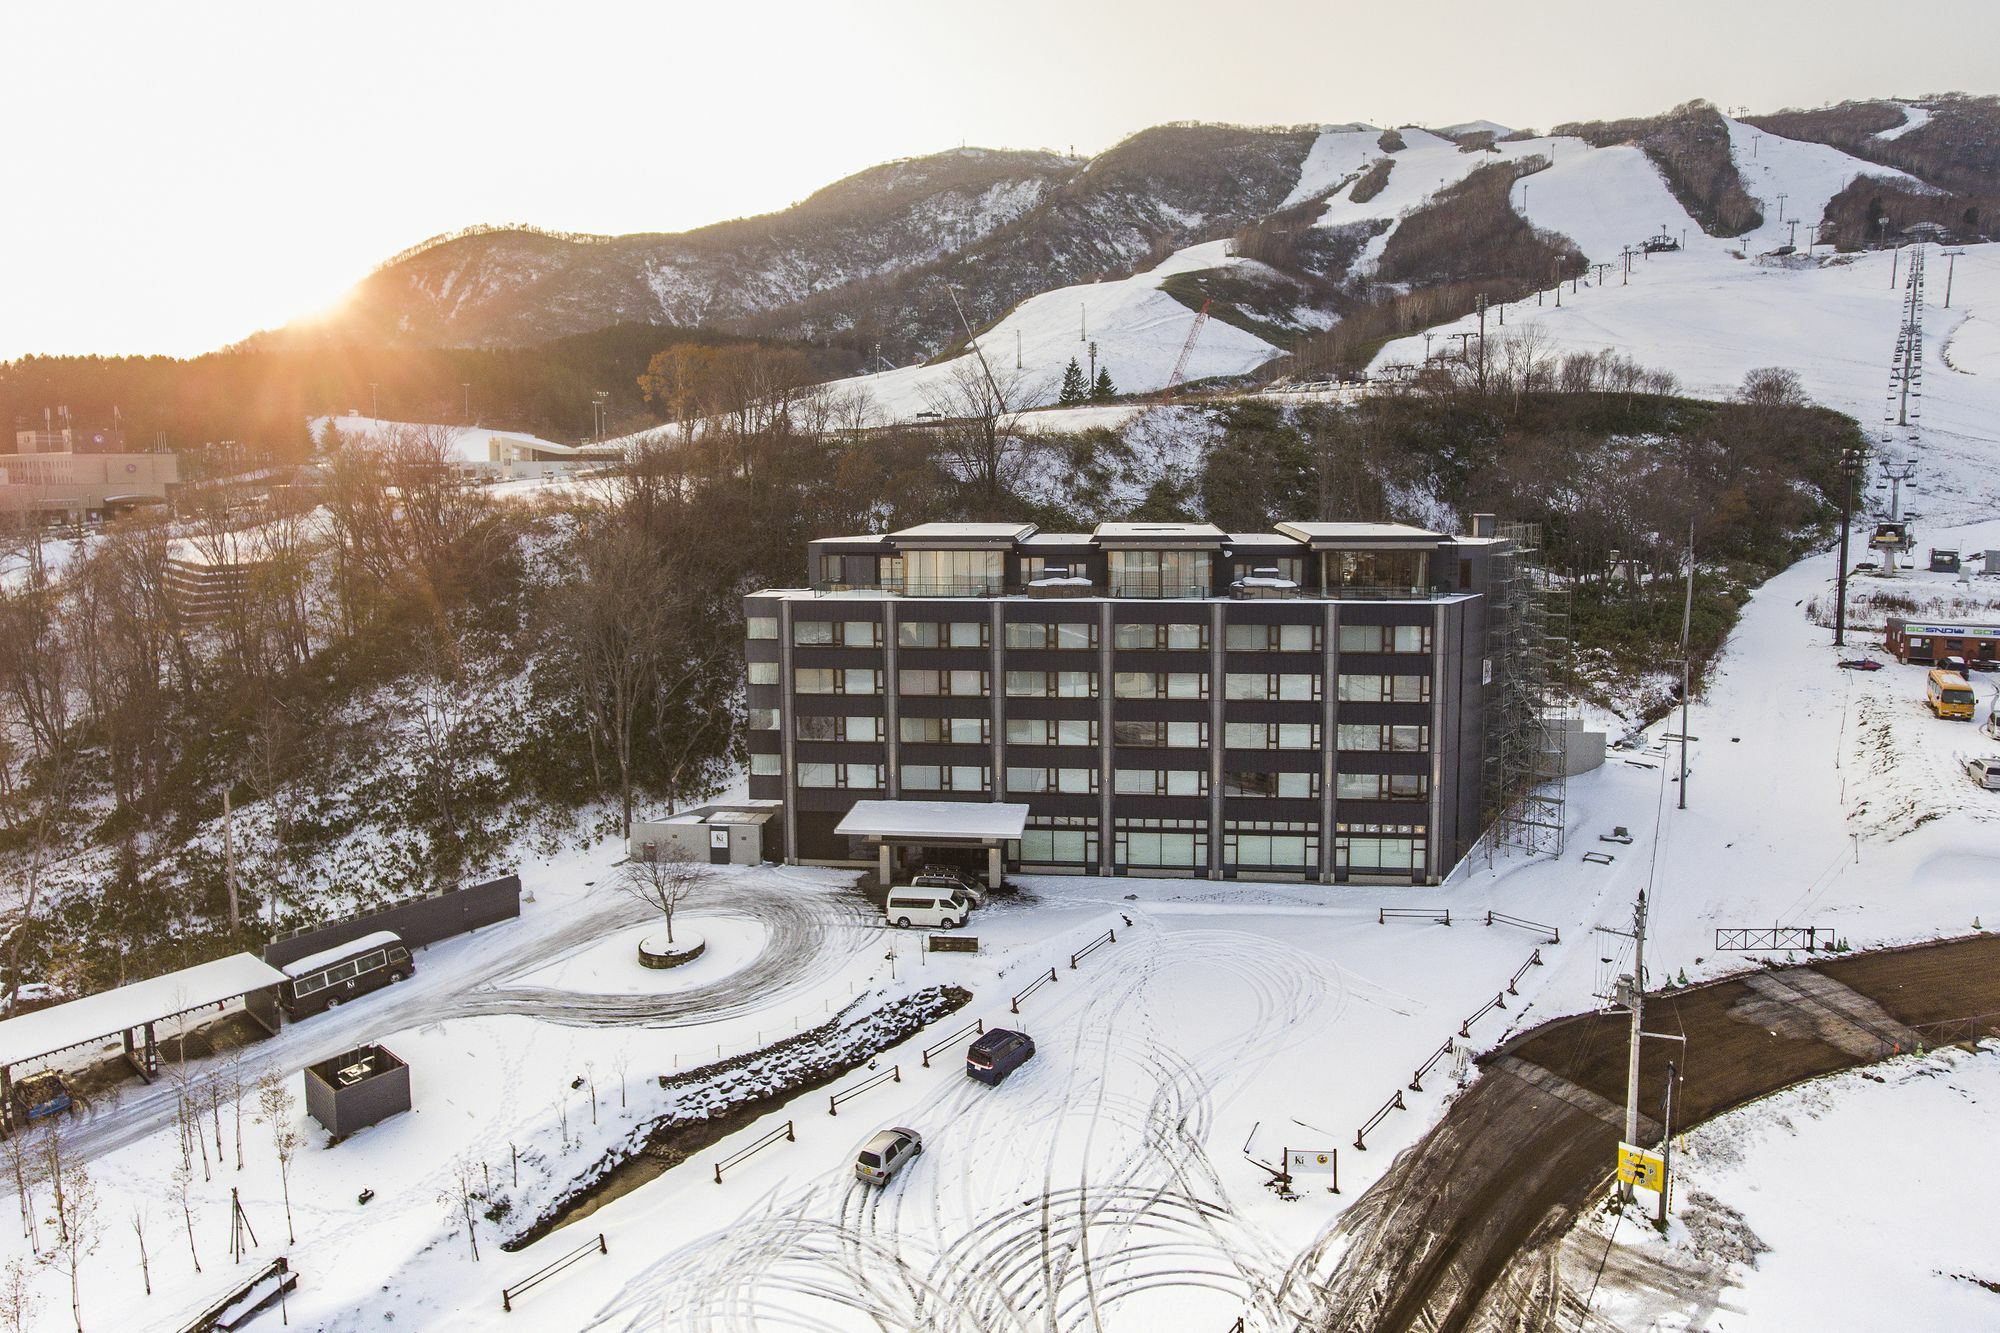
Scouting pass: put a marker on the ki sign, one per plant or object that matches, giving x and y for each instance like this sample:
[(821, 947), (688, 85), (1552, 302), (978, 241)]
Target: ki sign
[(1636, 1166), (1324, 1162)]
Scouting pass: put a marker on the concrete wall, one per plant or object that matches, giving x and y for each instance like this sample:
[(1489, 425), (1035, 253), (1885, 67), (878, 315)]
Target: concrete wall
[(419, 921), (688, 841)]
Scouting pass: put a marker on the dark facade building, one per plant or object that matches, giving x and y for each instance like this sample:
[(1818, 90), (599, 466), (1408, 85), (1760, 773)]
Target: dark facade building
[(1165, 698)]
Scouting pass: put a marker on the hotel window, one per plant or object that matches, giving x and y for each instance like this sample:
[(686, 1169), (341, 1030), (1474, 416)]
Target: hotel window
[(763, 673), (765, 765), (838, 728), (1166, 843), (836, 680), (1382, 786), (761, 627), (1369, 736), (1385, 638), (945, 730), (1161, 684), (1260, 784), (1060, 840), (763, 719), (1258, 685), (965, 683), (1271, 735), (944, 777), (1051, 684), (952, 573), (1160, 781), (1048, 731), (866, 776), (1385, 689), (837, 633), (1060, 634), (1032, 780), (1400, 571), (1161, 735), (1160, 574), (1175, 637), (1254, 843), (1272, 638), (950, 634), (1392, 847)]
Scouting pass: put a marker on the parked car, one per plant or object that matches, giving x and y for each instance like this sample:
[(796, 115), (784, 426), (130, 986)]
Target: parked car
[(1860, 664), (39, 1096), (1985, 772), (951, 877), (886, 1154), (926, 905), (997, 1054)]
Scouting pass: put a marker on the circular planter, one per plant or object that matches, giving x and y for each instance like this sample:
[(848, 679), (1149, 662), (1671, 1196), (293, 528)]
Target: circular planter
[(655, 952)]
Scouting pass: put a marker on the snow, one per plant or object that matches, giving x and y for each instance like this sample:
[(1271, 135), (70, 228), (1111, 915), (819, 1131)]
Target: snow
[(1807, 174), (941, 819), (611, 966), (467, 444), (1334, 156), (62, 1026), (1914, 117)]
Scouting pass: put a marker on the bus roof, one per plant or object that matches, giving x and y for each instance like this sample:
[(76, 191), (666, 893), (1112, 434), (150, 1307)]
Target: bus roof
[(326, 957)]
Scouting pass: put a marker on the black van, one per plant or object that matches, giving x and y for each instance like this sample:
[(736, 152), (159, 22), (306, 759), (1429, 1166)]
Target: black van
[(998, 1054)]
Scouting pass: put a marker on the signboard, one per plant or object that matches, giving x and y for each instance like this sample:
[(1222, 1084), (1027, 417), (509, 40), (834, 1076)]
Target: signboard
[(1637, 1166), (718, 839), (1305, 1159)]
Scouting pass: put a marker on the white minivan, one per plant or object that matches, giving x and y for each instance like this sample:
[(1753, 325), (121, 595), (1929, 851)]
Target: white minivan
[(926, 905)]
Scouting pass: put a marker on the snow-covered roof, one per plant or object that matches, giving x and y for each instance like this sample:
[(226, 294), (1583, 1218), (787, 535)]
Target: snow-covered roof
[(49, 1030), (964, 532), (313, 962), (1143, 533), (1356, 533), (933, 819)]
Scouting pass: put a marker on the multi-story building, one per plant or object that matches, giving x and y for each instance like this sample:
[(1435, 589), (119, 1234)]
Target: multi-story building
[(1163, 698)]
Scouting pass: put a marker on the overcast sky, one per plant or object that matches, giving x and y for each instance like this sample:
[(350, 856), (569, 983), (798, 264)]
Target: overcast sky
[(180, 175)]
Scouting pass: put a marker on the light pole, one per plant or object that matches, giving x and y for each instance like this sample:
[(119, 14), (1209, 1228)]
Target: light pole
[(1850, 465)]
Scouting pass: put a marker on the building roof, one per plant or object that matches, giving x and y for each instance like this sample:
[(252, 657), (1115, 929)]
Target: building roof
[(933, 819), (47, 1031), (1158, 534), (1361, 536), (960, 534)]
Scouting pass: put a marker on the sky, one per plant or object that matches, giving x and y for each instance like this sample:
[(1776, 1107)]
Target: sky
[(178, 176)]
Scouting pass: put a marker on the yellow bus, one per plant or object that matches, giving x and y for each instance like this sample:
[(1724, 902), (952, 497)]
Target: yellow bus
[(1949, 695)]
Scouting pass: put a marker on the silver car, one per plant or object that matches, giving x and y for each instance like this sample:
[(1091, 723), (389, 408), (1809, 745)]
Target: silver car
[(1985, 772), (887, 1153)]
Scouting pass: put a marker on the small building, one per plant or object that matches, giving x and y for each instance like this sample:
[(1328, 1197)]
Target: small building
[(79, 486), (356, 1089), (722, 834), (1944, 560), (1916, 641)]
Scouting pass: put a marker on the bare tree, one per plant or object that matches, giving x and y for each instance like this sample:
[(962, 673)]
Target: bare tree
[(26, 1167), (590, 1079), (184, 1186), (459, 1195), (139, 1232), (75, 1213), (274, 1108), (18, 1298), (622, 1062), (662, 885), (978, 440)]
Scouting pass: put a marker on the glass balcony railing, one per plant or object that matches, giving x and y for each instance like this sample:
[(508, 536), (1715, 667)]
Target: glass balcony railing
[(1138, 588)]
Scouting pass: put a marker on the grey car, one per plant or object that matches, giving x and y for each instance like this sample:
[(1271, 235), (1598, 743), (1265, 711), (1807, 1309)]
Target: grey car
[(887, 1153)]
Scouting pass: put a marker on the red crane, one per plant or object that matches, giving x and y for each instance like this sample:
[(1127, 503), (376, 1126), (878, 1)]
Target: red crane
[(1187, 349)]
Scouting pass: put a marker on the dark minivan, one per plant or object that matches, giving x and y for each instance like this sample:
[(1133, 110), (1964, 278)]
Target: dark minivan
[(998, 1054)]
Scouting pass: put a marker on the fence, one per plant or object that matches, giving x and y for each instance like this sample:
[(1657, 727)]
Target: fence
[(1735, 939), (1417, 1079), (1382, 914), (547, 1271), (783, 1131), (1108, 937), (1014, 1005), (954, 943), (1395, 1103), (976, 1025), (833, 1103), (270, 1283), (1534, 960), (419, 921), (1945, 1032), (1499, 1001), (1555, 935)]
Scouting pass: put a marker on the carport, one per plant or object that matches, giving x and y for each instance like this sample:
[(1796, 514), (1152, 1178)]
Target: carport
[(136, 1008), (935, 826)]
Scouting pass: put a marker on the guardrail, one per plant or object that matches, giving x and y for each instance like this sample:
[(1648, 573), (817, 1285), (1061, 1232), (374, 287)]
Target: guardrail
[(1395, 1103), (1014, 1005), (1499, 1001), (1945, 1032), (1534, 960), (833, 1103), (976, 1025), (280, 1268), (1382, 914), (783, 1131), (1555, 935), (1417, 1079), (1740, 939), (1108, 937), (953, 943), (547, 1271)]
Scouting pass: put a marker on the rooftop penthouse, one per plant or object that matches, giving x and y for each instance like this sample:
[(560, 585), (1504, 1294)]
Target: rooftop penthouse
[(1153, 560)]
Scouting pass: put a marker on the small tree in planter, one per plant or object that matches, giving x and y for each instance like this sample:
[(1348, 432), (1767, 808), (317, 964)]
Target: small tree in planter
[(662, 885)]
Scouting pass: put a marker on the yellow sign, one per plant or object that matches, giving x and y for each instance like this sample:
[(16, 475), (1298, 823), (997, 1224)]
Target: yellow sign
[(1636, 1166)]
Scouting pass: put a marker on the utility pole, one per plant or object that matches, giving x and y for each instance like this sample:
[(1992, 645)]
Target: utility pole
[(1667, 1144), (1793, 240), (1782, 196), (1600, 272), (1895, 261), (1093, 366), (374, 402), (1850, 463), (1635, 998), (1482, 342), (1950, 267), (229, 861), (1687, 670), (467, 386), (1017, 349), (1628, 267), (1082, 320)]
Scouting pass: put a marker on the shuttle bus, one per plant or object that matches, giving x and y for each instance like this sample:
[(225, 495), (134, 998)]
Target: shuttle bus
[(334, 976), (1949, 695)]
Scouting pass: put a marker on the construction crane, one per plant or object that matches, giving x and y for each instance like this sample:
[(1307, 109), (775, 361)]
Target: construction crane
[(1187, 349)]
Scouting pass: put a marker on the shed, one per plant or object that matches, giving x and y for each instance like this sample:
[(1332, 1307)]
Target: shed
[(357, 1088), (723, 834)]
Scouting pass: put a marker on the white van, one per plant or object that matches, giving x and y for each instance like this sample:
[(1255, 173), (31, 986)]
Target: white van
[(926, 905)]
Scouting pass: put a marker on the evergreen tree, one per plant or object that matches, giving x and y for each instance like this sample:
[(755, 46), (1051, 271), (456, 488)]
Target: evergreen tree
[(1074, 390), (1103, 390)]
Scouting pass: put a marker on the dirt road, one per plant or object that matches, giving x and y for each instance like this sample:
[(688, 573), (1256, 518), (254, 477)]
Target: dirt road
[(1461, 1232)]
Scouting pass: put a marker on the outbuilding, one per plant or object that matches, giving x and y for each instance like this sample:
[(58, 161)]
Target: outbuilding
[(731, 834), (1927, 643)]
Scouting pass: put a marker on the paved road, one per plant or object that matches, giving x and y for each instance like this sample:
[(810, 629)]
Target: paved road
[(1460, 1233)]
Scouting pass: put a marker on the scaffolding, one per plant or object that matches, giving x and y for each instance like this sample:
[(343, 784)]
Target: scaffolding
[(1528, 720)]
